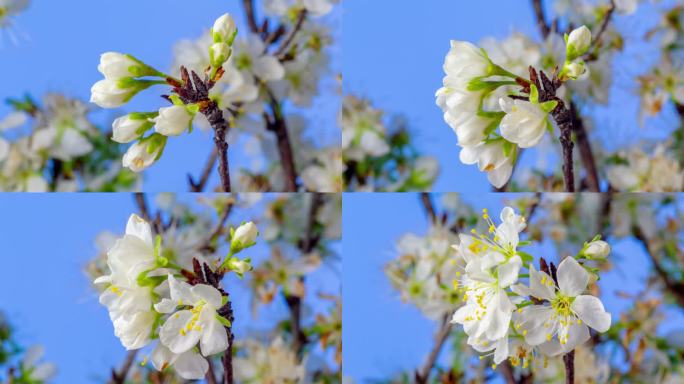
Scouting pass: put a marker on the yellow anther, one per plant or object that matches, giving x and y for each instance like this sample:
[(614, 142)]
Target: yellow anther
[(548, 336), (519, 310), (579, 321), (493, 366), (524, 332)]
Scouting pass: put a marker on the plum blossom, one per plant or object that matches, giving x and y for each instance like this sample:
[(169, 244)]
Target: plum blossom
[(184, 328), (563, 323), (129, 303)]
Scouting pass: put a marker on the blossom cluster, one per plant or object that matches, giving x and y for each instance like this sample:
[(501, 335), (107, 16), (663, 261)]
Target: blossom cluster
[(125, 76), (54, 146), (469, 96), (549, 316), (25, 366), (251, 76), (634, 170), (378, 158), (151, 298)]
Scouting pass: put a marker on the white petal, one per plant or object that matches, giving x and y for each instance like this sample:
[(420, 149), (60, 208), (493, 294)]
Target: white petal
[(214, 338), (137, 226), (508, 272), (501, 352), (542, 285), (207, 293), (165, 306), (577, 335), (162, 357), (181, 292), (572, 277), (191, 366), (172, 337), (590, 310)]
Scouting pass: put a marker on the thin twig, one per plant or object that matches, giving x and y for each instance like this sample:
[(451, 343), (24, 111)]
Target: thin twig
[(120, 377), (142, 205), (210, 376), (440, 338), (542, 24), (294, 303), (248, 6), (279, 126), (206, 173), (585, 151), (207, 244), (428, 207), (285, 46), (602, 29)]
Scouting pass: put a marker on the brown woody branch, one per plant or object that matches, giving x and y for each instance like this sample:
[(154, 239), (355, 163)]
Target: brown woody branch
[(198, 186), (586, 153), (428, 207), (120, 377), (591, 55), (561, 114), (569, 362), (285, 46), (294, 303), (441, 337), (195, 90)]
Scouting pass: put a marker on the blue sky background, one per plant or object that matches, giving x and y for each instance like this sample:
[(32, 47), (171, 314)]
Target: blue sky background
[(48, 239), (394, 51), (384, 336), (59, 48)]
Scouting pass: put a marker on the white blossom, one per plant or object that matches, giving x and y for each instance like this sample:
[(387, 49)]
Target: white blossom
[(185, 328), (561, 325), (524, 123), (173, 120), (129, 304), (490, 158)]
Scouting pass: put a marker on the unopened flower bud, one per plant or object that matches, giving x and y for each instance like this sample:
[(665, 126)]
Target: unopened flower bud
[(224, 29), (578, 42), (597, 249)]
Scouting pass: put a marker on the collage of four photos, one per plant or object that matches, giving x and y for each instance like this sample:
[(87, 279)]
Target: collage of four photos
[(342, 192)]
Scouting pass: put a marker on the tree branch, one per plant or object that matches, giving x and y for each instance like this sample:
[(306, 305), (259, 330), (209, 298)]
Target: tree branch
[(542, 24), (294, 303), (561, 114), (210, 376), (590, 55), (282, 50), (586, 154), (221, 126), (248, 6), (428, 207), (440, 338), (206, 173), (227, 359), (120, 377), (569, 362), (279, 127)]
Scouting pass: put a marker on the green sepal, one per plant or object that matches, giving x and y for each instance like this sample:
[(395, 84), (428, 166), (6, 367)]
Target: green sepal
[(176, 100), (534, 94), (226, 323), (526, 257), (549, 106)]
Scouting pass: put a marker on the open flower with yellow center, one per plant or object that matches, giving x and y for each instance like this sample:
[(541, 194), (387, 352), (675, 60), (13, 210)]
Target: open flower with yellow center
[(196, 321), (491, 266), (561, 323)]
